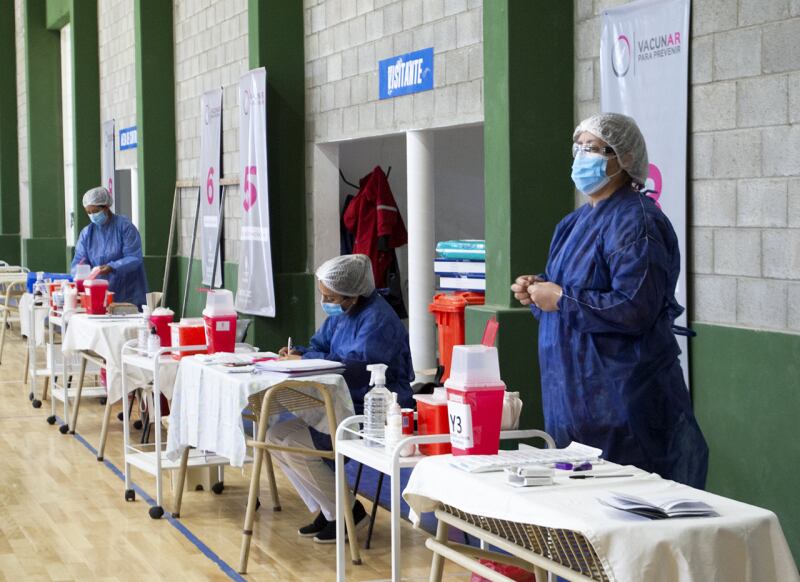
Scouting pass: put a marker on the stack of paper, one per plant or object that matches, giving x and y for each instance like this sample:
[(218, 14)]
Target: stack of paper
[(525, 456), (300, 367), (662, 510)]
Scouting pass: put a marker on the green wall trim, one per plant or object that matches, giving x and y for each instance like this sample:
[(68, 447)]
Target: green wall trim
[(528, 56), (746, 393), (9, 160), (45, 137), (276, 41), (10, 249), (155, 120), (58, 13), (45, 254), (86, 172)]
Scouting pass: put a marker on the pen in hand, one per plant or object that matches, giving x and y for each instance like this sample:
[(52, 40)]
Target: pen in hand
[(289, 347)]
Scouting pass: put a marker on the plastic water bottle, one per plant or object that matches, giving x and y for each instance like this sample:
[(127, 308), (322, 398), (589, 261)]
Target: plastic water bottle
[(39, 289), (153, 342), (394, 424), (143, 331), (376, 403)]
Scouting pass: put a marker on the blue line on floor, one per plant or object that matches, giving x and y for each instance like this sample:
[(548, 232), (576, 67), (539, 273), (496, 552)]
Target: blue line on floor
[(185, 531)]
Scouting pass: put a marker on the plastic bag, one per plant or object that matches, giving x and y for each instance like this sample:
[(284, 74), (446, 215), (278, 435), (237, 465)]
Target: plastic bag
[(512, 408), (514, 572)]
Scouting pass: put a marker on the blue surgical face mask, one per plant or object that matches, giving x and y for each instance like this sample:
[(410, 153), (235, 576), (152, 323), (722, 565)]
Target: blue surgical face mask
[(99, 218), (332, 308), (589, 173)]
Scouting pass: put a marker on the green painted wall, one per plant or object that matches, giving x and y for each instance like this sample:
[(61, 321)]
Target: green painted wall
[(155, 120), (86, 172), (9, 161), (746, 393), (45, 248), (528, 58), (275, 37), (58, 13)]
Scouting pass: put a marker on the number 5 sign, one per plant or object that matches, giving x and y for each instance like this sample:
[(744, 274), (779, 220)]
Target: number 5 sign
[(255, 293)]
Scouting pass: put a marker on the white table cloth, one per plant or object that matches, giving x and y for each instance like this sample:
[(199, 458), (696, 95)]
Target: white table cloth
[(207, 404), (744, 544), (25, 306), (106, 337)]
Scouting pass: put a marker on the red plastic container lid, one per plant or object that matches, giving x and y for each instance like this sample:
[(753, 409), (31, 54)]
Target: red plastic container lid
[(455, 302)]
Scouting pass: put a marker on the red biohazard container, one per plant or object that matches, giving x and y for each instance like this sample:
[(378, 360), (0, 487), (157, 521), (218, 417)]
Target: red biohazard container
[(448, 309), (432, 419), (220, 319), (188, 332), (161, 318), (475, 395), (96, 290)]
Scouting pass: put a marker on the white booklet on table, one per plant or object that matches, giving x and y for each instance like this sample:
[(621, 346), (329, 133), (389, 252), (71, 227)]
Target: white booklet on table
[(661, 510)]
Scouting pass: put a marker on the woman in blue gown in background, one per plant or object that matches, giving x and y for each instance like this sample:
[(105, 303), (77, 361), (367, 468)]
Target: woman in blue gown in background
[(112, 244), (611, 377)]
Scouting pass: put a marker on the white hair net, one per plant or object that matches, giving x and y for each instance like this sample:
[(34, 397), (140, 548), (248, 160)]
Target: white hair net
[(97, 197), (623, 135), (348, 275)]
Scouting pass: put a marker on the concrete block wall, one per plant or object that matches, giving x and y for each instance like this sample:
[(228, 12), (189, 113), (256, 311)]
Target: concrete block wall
[(117, 54), (22, 119), (345, 40), (210, 52), (744, 171)]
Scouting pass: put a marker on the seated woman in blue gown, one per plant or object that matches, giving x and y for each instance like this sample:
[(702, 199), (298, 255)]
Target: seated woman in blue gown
[(361, 329)]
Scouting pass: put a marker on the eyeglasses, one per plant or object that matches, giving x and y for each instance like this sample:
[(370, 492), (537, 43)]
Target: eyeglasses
[(607, 151)]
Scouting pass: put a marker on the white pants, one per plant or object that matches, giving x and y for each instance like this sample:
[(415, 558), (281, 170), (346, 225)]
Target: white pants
[(314, 480)]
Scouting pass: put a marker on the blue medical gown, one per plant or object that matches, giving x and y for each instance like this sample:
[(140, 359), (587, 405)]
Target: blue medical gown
[(117, 244), (611, 377), (369, 333)]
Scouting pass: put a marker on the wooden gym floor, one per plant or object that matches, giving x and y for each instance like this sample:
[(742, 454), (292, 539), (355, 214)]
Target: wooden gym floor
[(63, 515)]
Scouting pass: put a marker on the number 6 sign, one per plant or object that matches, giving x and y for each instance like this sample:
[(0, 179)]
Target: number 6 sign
[(210, 185)]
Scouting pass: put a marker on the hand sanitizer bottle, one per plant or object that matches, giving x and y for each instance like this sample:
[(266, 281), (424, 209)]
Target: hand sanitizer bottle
[(375, 404)]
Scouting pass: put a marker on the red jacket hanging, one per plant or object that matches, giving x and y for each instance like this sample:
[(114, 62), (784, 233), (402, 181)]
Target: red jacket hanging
[(375, 221)]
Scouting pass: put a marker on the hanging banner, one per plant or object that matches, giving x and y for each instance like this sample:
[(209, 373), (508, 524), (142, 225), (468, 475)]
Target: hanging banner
[(644, 73), (255, 291), (209, 173), (108, 159)]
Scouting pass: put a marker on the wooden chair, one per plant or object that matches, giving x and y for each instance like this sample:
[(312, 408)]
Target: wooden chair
[(289, 396), (13, 291)]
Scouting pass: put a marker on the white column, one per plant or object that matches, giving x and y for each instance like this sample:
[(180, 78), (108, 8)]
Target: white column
[(421, 245), (325, 211)]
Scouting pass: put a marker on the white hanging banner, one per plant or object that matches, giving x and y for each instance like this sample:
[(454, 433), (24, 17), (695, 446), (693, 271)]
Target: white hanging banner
[(108, 160), (644, 73), (209, 173), (255, 291)]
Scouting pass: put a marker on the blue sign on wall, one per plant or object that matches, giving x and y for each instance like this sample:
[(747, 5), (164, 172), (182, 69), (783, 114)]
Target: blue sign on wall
[(404, 74), (128, 138)]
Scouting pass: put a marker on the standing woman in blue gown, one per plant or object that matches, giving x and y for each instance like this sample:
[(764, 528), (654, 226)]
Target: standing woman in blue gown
[(606, 304), (112, 245)]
